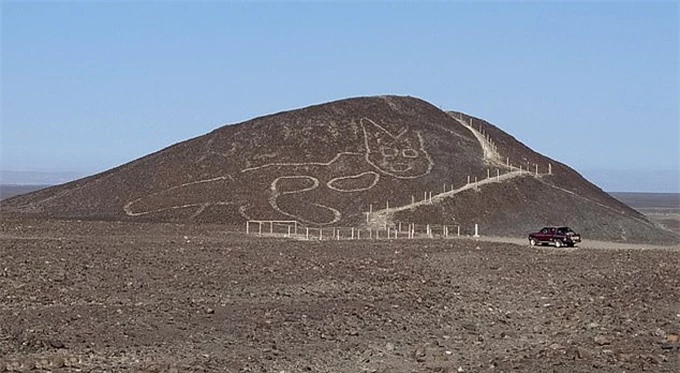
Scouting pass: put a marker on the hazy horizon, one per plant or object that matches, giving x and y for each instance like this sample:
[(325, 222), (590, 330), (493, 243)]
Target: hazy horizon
[(611, 181)]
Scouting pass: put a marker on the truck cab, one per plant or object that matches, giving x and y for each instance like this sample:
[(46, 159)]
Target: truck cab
[(557, 236)]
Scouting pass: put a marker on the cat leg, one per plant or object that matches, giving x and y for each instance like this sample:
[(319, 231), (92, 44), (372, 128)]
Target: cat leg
[(291, 196)]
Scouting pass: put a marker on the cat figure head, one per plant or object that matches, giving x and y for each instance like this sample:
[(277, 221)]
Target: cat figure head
[(400, 155)]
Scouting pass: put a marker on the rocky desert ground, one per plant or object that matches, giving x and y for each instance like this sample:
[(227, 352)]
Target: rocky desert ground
[(131, 297)]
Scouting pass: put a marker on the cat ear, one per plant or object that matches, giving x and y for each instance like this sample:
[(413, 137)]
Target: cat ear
[(373, 128), (377, 130), (372, 131)]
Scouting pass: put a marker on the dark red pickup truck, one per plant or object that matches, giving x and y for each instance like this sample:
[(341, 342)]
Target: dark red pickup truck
[(558, 236)]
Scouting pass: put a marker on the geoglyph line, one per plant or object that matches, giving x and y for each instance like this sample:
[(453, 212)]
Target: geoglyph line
[(491, 156), (337, 156)]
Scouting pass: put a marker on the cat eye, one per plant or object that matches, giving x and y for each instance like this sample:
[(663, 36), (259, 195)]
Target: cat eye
[(388, 152), (409, 153)]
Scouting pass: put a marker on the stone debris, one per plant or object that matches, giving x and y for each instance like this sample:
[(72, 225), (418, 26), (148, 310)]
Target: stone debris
[(270, 305)]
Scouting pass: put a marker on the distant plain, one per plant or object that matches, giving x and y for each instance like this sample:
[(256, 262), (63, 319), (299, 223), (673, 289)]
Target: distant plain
[(11, 190), (663, 208)]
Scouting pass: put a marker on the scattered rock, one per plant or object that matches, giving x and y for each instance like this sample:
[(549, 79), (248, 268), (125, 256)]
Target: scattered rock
[(489, 325), (27, 365), (582, 353), (57, 362), (13, 366), (56, 343), (556, 346), (593, 325), (602, 340), (667, 346), (419, 354), (660, 333), (71, 362)]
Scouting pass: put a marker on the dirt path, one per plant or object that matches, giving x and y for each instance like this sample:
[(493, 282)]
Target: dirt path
[(491, 154), (381, 217), (586, 244)]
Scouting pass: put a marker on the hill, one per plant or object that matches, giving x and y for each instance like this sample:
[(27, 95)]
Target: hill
[(399, 158), (11, 190)]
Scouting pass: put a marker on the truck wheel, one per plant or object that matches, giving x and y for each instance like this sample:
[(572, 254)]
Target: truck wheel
[(532, 242), (558, 244)]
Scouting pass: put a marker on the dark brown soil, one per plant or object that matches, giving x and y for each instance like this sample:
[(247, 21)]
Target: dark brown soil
[(329, 164), (107, 296)]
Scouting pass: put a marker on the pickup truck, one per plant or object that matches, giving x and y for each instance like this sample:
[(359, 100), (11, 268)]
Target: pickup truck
[(558, 236)]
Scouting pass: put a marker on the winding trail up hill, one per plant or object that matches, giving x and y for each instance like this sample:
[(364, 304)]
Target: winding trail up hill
[(399, 158)]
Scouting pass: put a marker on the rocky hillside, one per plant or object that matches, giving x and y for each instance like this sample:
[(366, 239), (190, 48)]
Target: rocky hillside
[(399, 158)]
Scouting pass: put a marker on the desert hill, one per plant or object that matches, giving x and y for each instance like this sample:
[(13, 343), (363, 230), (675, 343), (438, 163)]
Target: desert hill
[(401, 158)]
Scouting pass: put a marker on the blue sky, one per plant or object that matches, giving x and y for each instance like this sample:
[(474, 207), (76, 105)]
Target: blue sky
[(89, 86)]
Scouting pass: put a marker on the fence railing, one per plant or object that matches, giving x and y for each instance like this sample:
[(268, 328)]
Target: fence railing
[(394, 231), (377, 224)]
